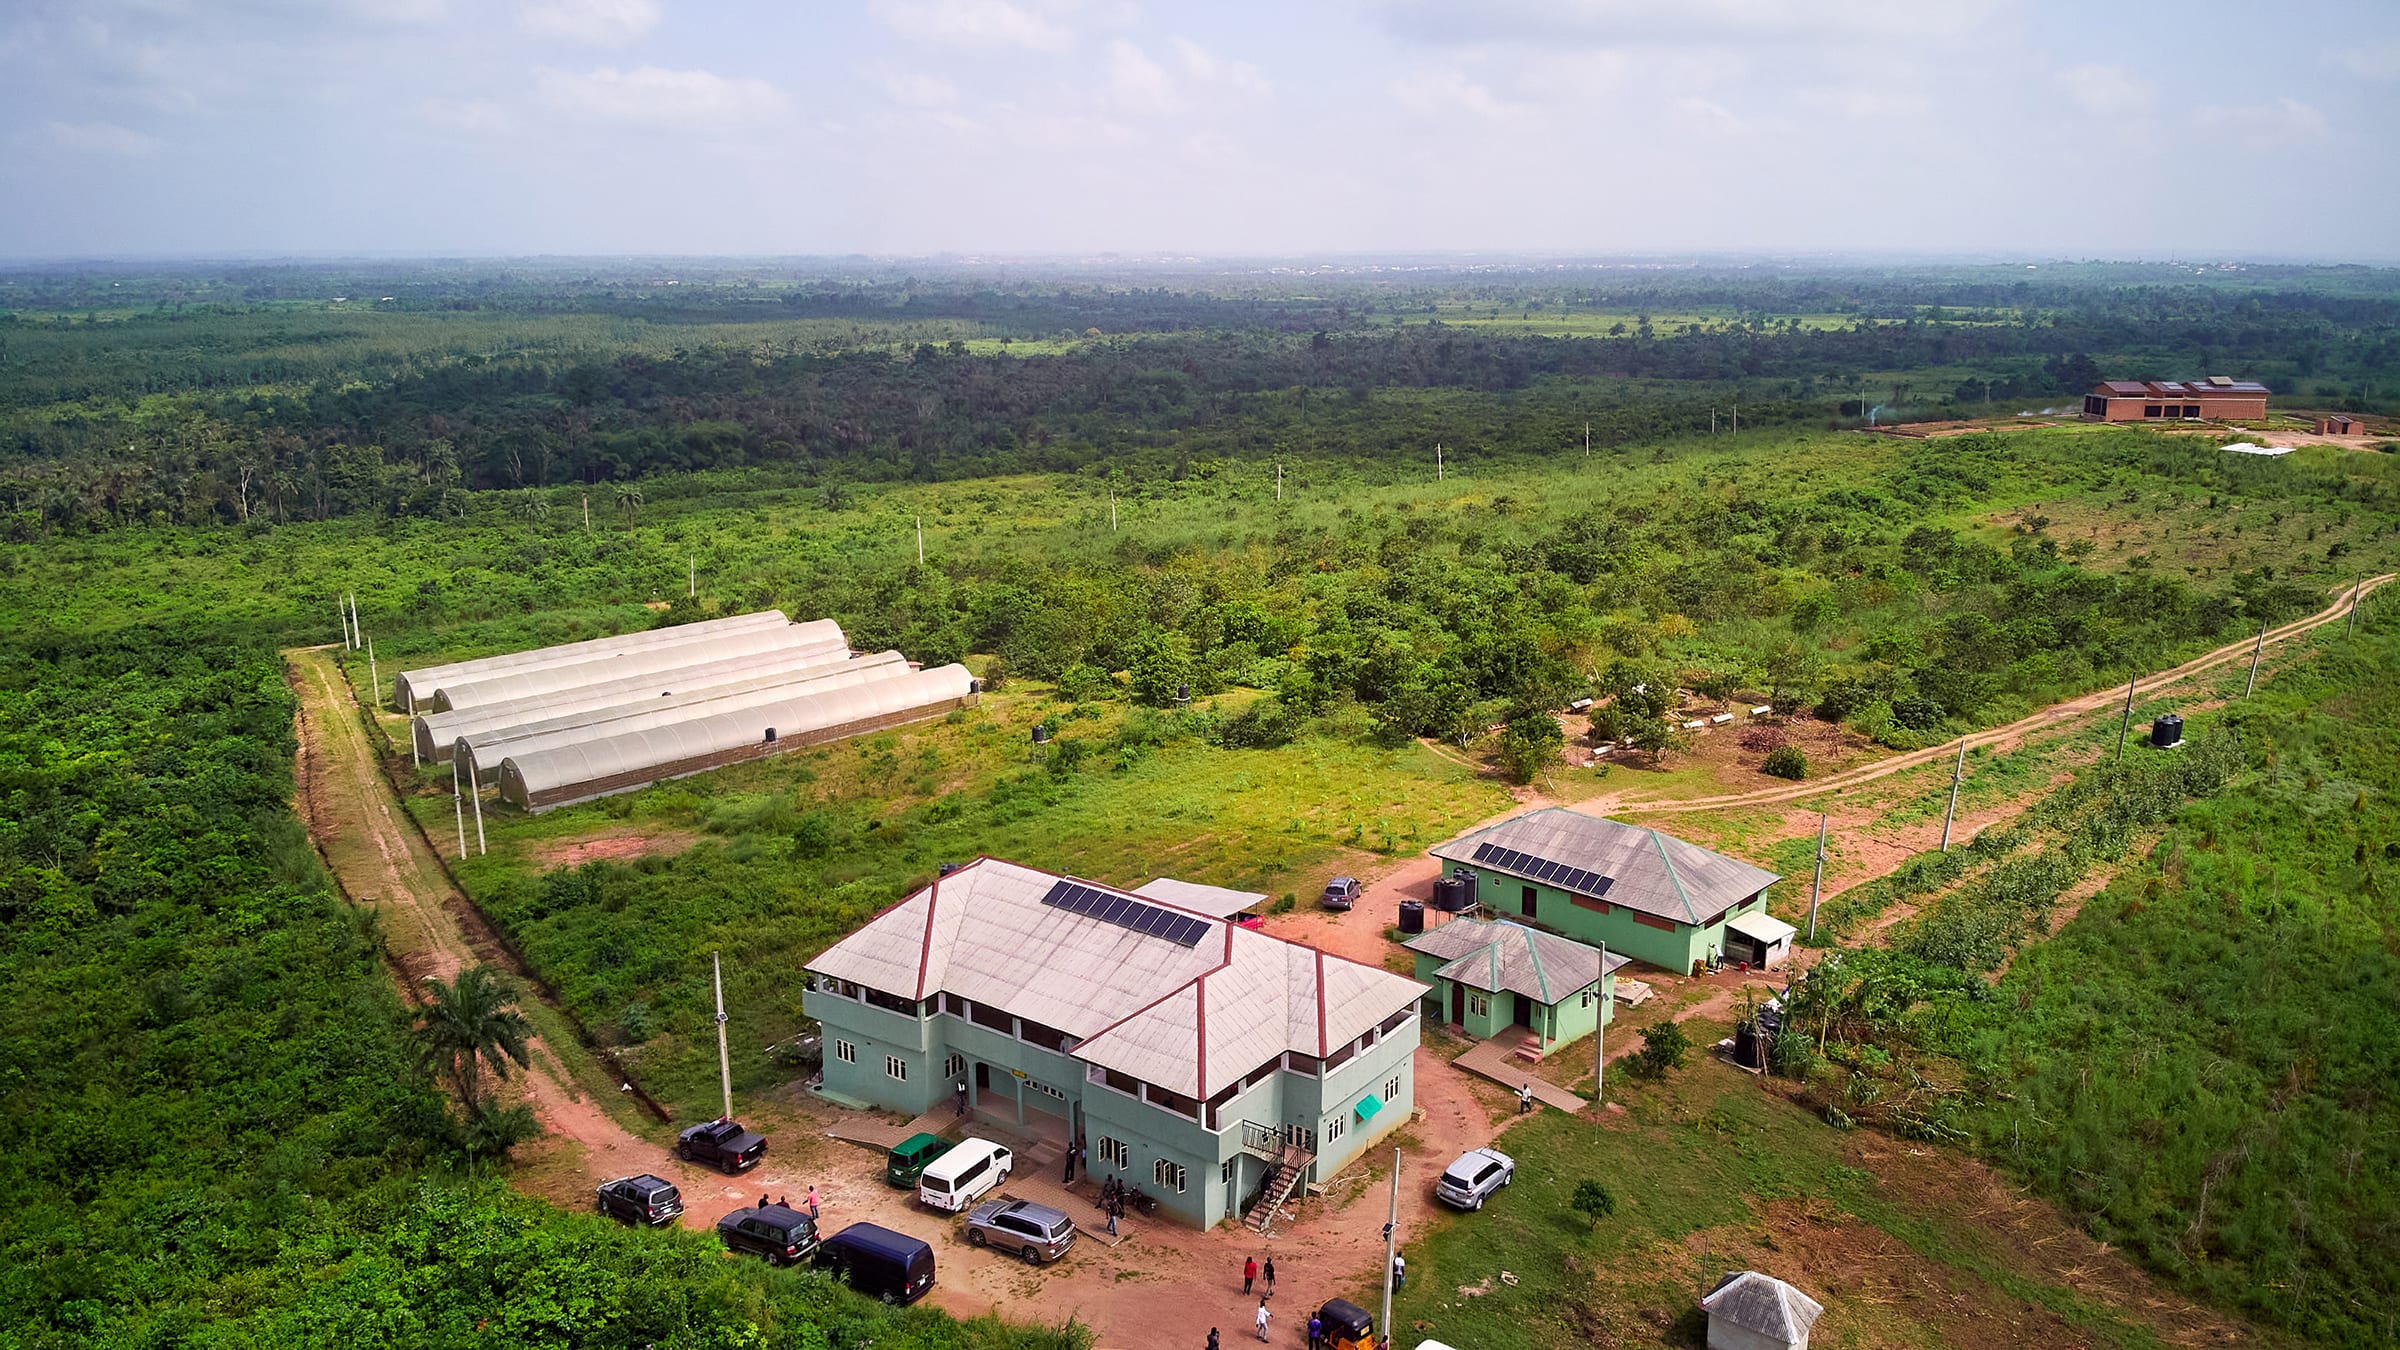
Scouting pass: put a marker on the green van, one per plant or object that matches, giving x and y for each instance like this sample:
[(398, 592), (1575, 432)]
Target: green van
[(908, 1159)]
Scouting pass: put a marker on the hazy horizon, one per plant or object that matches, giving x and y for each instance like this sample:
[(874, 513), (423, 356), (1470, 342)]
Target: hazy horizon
[(1050, 131)]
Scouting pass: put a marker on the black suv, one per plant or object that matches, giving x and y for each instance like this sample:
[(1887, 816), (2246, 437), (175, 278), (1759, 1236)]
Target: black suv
[(644, 1199), (786, 1237), (722, 1144)]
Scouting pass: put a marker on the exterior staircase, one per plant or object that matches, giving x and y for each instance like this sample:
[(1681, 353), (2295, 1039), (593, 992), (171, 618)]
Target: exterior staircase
[(1284, 1174)]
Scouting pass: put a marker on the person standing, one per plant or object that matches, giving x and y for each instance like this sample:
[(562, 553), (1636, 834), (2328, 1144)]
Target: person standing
[(812, 1203), (1316, 1332), (1399, 1272), (1069, 1178), (1212, 1339), (1263, 1315), (1524, 1099), (962, 1099), (1268, 1270), (1249, 1273), (1115, 1208)]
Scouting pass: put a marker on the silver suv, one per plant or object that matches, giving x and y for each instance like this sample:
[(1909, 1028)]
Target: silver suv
[(1471, 1180), (1036, 1232)]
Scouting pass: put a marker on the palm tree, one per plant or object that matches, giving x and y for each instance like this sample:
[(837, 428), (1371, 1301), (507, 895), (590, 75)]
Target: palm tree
[(466, 1025), (528, 507), (629, 500)]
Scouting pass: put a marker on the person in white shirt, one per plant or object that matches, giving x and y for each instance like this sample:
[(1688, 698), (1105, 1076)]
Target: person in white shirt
[(1263, 1315)]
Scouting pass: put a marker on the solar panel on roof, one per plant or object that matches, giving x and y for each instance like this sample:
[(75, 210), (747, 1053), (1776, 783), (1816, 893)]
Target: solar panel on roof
[(1484, 852), (1147, 920)]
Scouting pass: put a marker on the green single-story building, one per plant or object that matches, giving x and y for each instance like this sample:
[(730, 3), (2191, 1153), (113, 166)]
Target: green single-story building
[(1214, 1066), (1490, 976), (1629, 890)]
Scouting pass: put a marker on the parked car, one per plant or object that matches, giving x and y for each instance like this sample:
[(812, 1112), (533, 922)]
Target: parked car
[(1347, 1325), (1340, 893), (879, 1263), (961, 1176), (908, 1159), (1036, 1232), (784, 1236), (644, 1199), (1471, 1180), (722, 1144)]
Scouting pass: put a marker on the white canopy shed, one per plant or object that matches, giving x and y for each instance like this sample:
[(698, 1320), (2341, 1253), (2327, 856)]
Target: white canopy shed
[(601, 668), (414, 687)]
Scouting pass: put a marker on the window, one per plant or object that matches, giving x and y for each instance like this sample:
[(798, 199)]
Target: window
[(1225, 1170), (954, 1067), (1122, 1082), (1305, 1137), (1168, 1174), (1034, 1033), (1478, 1005), (895, 1067), (1526, 896), (1653, 921), (1045, 1089), (845, 1052), (985, 1015), (1300, 1063), (1112, 1151), (954, 1005), (1392, 1023), (1340, 1057), (1587, 902), (1391, 1089), (1587, 998), (906, 1007), (1171, 1101), (1335, 1127)]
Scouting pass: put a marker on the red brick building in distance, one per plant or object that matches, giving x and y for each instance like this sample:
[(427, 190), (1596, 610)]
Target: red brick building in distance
[(2217, 398)]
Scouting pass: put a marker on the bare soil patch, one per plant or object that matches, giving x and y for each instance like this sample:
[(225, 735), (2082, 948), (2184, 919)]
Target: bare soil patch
[(613, 846)]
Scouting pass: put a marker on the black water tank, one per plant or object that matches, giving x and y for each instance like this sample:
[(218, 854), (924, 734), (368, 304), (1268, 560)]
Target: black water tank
[(1453, 894), (2166, 731), (1041, 734), (1412, 916)]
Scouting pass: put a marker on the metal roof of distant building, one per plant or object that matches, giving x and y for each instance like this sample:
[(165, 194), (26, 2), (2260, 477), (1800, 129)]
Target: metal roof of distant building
[(1502, 956), (1764, 1305), (1647, 871), (1190, 1018)]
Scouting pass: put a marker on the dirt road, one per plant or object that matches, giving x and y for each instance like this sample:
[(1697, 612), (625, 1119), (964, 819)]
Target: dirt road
[(2083, 706)]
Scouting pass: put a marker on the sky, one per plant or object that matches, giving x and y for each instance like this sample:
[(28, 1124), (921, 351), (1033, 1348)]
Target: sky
[(2054, 128)]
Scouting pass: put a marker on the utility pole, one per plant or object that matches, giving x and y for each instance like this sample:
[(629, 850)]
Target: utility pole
[(920, 562), (1279, 480), (724, 1059), (1437, 461), (341, 607), (375, 681), (475, 790), (1712, 419), (1391, 1243), (1956, 775), (459, 803), (1600, 1034), (1112, 513), (2127, 724), (1587, 440), (587, 513), (1817, 887), (2355, 588), (1737, 419), (354, 621), (2255, 652), (691, 585)]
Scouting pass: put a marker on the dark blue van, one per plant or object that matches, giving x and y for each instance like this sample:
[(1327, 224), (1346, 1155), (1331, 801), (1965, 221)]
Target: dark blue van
[(878, 1262)]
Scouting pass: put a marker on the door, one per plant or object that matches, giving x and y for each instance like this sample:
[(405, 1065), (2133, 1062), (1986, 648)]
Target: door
[(1524, 1011), (1458, 1004), (983, 1078)]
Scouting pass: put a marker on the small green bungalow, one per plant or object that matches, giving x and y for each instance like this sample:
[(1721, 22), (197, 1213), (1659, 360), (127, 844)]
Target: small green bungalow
[(1488, 976), (1621, 887)]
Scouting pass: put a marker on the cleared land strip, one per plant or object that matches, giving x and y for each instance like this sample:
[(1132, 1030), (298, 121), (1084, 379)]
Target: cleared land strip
[(2081, 706), (383, 863)]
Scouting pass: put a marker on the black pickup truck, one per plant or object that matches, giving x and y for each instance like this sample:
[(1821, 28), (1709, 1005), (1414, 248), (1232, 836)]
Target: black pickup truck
[(722, 1144)]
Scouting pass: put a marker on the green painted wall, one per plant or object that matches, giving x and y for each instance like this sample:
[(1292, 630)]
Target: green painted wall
[(1617, 929), (1571, 1019)]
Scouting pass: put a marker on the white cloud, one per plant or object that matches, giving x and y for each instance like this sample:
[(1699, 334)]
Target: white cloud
[(650, 96), (103, 138), (465, 114), (2375, 63), (1204, 66), (1710, 115), (1137, 83), (1443, 93), (2263, 126), (1865, 103), (972, 23), (2108, 91), (918, 90), (1613, 23), (603, 23)]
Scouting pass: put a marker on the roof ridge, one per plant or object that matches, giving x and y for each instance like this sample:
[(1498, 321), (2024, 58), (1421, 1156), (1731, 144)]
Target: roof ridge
[(1541, 977), (1659, 842)]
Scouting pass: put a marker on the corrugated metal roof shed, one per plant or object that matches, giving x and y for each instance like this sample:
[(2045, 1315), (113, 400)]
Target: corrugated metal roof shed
[(1217, 902), (1764, 1305), (485, 750), (422, 682), (620, 763), (1502, 956), (505, 686), (1647, 871), (435, 732), (1188, 1018)]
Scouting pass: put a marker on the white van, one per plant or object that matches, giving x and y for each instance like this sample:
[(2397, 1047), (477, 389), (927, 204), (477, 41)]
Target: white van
[(960, 1177)]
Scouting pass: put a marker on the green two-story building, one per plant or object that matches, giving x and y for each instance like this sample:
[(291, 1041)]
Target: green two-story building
[(1210, 1064), (1633, 891)]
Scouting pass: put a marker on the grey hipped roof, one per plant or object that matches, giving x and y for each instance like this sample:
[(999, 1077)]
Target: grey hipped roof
[(1503, 956), (1218, 902), (1647, 871), (1189, 1018), (1763, 1304)]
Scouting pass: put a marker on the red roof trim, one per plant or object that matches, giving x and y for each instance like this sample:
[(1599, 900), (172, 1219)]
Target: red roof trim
[(1320, 1004), (933, 897), (1200, 1026)]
